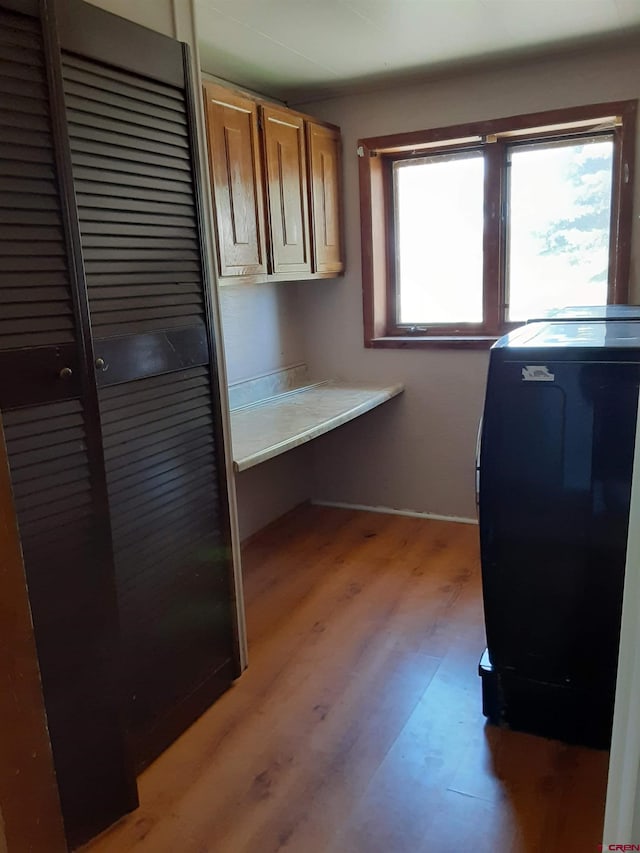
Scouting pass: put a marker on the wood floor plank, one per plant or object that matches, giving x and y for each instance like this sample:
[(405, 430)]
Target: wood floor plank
[(357, 727)]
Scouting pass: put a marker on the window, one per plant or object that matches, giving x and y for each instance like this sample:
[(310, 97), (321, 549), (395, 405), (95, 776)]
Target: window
[(468, 231)]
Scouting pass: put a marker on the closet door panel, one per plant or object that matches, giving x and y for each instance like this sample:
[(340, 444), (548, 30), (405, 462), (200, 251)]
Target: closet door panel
[(52, 437), (150, 316)]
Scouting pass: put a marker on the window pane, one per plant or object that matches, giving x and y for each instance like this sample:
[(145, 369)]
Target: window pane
[(558, 225), (439, 211)]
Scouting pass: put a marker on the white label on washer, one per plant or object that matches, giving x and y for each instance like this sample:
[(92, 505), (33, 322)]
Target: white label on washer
[(537, 373)]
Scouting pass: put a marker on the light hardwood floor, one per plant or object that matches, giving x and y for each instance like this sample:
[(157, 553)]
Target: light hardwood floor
[(357, 727)]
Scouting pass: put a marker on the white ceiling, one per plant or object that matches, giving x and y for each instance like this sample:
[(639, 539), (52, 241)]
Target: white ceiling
[(294, 48)]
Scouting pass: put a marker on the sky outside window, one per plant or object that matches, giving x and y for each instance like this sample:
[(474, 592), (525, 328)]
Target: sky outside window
[(439, 227), (558, 212)]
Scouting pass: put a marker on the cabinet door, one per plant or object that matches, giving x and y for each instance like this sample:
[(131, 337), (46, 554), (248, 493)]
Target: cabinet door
[(50, 412), (131, 129), (285, 165), (236, 178), (323, 152)]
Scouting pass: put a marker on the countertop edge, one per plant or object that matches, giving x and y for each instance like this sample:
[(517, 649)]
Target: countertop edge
[(376, 399)]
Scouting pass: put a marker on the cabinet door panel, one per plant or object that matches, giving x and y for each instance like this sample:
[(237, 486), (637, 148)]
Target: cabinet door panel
[(323, 151), (285, 164), (236, 175), (151, 318)]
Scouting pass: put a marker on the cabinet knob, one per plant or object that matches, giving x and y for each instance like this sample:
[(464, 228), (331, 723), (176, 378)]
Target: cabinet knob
[(65, 373), (100, 363)]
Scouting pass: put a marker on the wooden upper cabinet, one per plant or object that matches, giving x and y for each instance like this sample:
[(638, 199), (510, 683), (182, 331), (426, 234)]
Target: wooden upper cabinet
[(236, 176), (323, 153), (275, 177), (286, 173)]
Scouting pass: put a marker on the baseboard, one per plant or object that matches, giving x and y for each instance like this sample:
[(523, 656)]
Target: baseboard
[(390, 511)]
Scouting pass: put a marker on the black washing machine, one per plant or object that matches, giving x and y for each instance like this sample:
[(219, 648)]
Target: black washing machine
[(554, 488)]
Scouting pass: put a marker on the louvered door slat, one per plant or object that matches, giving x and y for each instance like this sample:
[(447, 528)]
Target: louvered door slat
[(25, 153), (126, 117), (117, 80), (29, 310), (19, 249), (143, 432), (140, 236), (122, 462), (136, 147), (165, 496), (89, 88), (168, 542), (35, 280), (106, 172), (119, 124), (163, 518), (102, 160), (9, 69), (35, 234), (24, 216), (17, 53), (100, 197), (144, 280), (109, 266), (58, 467), (123, 218), (146, 238), (176, 390), (28, 178), (128, 157), (156, 465), (15, 117), (14, 35), (12, 133), (138, 290)]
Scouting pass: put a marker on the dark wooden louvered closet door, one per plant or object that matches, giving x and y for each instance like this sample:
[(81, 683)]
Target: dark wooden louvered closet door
[(49, 408), (129, 119)]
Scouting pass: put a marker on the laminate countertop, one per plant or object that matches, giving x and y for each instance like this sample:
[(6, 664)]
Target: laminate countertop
[(265, 429)]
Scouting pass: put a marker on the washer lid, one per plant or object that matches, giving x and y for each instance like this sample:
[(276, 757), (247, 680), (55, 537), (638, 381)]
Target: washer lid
[(589, 312), (603, 334)]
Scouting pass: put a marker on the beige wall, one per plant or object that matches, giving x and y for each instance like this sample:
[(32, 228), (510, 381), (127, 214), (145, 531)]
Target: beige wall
[(272, 488), (417, 453), (261, 327), (262, 332)]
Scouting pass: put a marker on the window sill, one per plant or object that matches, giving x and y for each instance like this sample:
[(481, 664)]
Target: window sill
[(432, 342)]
